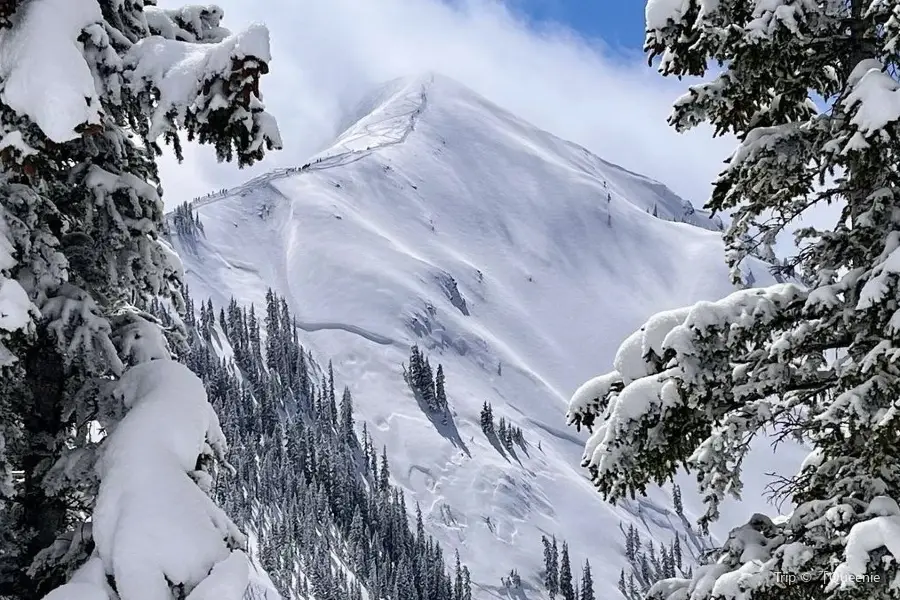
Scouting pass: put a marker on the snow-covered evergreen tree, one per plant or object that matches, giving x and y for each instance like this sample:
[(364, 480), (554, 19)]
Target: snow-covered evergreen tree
[(677, 503), (632, 543), (440, 394), (816, 361), (185, 222), (91, 88), (346, 417), (552, 578), (467, 584), (587, 582), (487, 419), (564, 579), (458, 583), (427, 384), (384, 474), (551, 566)]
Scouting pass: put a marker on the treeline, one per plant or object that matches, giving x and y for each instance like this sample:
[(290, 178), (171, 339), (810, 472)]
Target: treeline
[(507, 433), (212, 194), (558, 580), (185, 221), (315, 493), (647, 565), (427, 384)]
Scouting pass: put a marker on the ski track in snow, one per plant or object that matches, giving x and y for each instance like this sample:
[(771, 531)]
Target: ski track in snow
[(389, 137), (369, 335), (559, 433)]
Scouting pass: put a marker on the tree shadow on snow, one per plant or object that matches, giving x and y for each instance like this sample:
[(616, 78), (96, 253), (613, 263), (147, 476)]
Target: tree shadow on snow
[(495, 442), (444, 424), (511, 593), (505, 452), (524, 449), (517, 593)]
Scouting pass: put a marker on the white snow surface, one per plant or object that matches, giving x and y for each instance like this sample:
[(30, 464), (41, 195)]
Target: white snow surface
[(42, 67), (431, 182)]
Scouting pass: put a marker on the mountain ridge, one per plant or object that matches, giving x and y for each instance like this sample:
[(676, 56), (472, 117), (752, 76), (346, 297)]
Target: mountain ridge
[(515, 259), (411, 93)]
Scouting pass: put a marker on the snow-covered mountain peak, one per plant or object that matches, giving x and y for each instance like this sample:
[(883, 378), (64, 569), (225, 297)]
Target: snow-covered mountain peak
[(516, 260), (392, 90), (441, 109), (384, 118)]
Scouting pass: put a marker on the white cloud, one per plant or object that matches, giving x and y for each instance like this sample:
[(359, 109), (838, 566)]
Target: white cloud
[(328, 53)]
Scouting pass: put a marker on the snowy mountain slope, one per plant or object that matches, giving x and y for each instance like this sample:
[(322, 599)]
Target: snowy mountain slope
[(516, 259)]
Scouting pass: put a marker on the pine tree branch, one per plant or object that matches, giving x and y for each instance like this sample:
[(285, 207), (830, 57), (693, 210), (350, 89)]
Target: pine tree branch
[(8, 8)]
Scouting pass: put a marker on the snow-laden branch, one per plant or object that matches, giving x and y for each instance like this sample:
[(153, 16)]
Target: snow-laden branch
[(206, 88), (686, 366), (192, 75), (820, 365), (694, 386), (45, 42)]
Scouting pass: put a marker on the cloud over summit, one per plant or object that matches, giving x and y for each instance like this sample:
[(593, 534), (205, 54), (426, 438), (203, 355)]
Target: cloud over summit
[(327, 54)]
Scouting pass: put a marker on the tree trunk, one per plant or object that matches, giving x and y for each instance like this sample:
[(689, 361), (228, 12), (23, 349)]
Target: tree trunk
[(860, 48), (42, 518)]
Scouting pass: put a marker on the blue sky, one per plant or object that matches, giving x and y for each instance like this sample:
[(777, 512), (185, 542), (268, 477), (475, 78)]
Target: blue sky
[(619, 23)]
